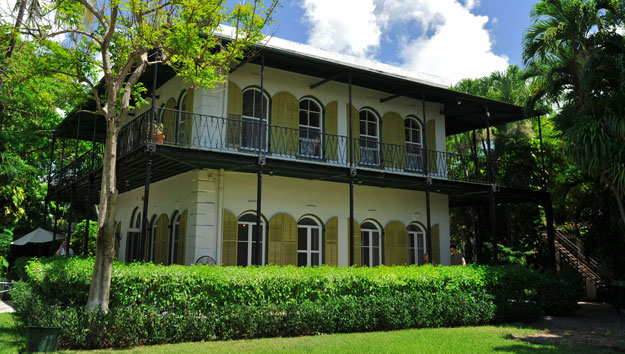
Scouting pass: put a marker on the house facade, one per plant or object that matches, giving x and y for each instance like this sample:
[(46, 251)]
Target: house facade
[(276, 138)]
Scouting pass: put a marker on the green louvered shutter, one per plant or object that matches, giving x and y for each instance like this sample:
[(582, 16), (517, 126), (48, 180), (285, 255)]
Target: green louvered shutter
[(394, 141), (229, 239), (436, 244), (331, 242), (162, 238), (282, 248), (395, 244), (235, 111), (182, 238), (430, 135), (188, 119), (169, 121), (284, 124), (357, 243), (330, 139), (355, 132)]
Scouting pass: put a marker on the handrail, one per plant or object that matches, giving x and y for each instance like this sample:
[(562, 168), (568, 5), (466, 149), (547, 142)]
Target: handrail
[(595, 267), (239, 135)]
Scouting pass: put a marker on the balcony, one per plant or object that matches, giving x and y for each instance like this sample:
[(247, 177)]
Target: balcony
[(240, 137)]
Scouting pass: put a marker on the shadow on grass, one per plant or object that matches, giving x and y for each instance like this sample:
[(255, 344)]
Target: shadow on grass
[(12, 336)]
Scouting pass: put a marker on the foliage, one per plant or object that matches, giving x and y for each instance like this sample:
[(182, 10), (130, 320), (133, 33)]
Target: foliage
[(440, 295), (78, 238)]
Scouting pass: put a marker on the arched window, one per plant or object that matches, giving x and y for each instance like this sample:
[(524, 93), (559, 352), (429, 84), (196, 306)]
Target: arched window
[(134, 243), (414, 143), (309, 128), (249, 247), (182, 109), (416, 244), (175, 238), (308, 242), (371, 241), (250, 122), (369, 137)]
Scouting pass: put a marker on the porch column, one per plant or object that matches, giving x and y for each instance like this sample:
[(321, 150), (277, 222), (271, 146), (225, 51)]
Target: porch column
[(47, 199), (491, 193), (260, 164), (352, 173), (548, 205), (428, 184), (56, 211), (150, 147)]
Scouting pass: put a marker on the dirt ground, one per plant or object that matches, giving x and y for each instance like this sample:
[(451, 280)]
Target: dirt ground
[(594, 324)]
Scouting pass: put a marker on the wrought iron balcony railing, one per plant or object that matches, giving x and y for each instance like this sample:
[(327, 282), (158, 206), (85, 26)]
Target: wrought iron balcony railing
[(241, 136)]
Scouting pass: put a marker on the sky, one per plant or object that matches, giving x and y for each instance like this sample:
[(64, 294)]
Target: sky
[(451, 39)]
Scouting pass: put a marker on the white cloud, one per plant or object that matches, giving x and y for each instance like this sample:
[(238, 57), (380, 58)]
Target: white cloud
[(453, 42), (347, 26)]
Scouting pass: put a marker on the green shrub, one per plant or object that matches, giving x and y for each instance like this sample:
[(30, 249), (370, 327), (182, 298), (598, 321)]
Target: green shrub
[(78, 238), (282, 301)]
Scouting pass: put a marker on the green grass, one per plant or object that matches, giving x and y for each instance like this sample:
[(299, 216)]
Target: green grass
[(12, 338), (486, 339)]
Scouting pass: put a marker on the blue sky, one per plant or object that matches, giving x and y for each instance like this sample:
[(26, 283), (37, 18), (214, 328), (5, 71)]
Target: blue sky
[(451, 39)]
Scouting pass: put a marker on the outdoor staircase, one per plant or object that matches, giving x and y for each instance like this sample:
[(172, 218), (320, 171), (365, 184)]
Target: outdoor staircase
[(570, 253)]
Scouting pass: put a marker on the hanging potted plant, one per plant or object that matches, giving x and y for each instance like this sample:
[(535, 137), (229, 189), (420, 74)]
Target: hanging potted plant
[(157, 133)]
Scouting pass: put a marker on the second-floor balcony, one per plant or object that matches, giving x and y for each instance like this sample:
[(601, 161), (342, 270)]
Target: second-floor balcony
[(246, 136)]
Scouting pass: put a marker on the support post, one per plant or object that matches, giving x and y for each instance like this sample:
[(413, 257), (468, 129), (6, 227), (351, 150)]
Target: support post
[(260, 163), (491, 193), (70, 218), (428, 184), (56, 211), (47, 199), (148, 163), (352, 173), (551, 232)]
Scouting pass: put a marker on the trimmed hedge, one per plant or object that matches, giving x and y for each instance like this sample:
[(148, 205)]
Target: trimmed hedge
[(157, 304)]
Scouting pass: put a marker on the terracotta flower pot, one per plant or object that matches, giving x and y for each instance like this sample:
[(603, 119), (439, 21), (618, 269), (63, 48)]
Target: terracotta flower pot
[(158, 138)]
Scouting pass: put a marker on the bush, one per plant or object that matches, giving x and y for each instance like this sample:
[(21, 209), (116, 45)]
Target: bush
[(78, 238), (156, 304)]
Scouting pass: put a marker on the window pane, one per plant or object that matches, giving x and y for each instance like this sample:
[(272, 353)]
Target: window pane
[(243, 232), (303, 105), (365, 256), (255, 253), (301, 260), (363, 128), (248, 103), (314, 259), (242, 254), (411, 254), (302, 239), (420, 241), (254, 236), (376, 238), (373, 129), (314, 119), (314, 245), (376, 257), (365, 238), (411, 240)]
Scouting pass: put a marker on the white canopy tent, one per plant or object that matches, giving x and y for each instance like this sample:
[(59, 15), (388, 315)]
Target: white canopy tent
[(37, 236)]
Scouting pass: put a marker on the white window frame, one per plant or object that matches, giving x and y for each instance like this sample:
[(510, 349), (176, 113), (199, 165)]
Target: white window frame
[(180, 129), (368, 232), (415, 235), (250, 238), (254, 118), (175, 231), (134, 232), (311, 127), (370, 139), (309, 251), (152, 239)]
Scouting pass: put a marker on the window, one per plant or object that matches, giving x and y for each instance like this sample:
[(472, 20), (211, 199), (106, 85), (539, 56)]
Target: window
[(134, 243), (416, 244), (309, 128), (414, 145), (249, 246), (369, 129), (175, 238), (180, 128), (371, 239), (308, 242), (250, 122)]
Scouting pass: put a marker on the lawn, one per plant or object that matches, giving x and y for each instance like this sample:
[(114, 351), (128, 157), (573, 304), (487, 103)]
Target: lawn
[(493, 339)]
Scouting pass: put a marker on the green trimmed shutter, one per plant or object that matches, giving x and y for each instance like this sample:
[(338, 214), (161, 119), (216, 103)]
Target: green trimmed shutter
[(229, 237), (357, 244), (436, 244), (331, 242), (162, 237), (355, 132), (169, 121), (235, 111), (330, 140), (284, 124), (182, 238), (395, 244), (188, 121), (430, 135), (282, 240), (393, 134)]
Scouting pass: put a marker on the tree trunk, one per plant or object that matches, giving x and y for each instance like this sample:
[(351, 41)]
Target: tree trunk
[(9, 53), (103, 267)]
